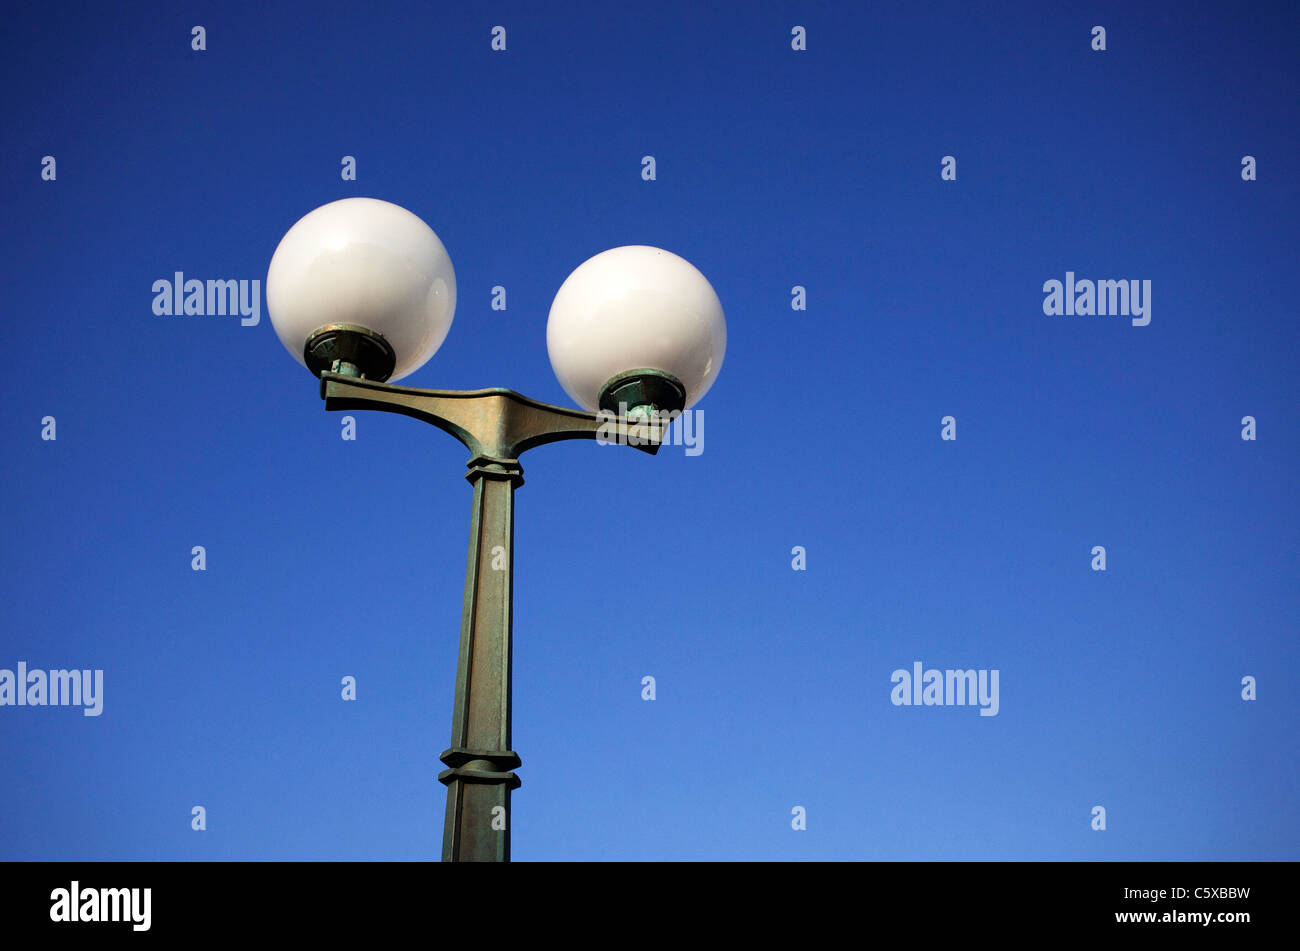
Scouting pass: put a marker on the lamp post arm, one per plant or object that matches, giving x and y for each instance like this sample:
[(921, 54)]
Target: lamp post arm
[(495, 423)]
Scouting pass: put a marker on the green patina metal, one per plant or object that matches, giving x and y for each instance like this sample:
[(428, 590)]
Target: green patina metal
[(497, 426), (644, 393), (351, 350)]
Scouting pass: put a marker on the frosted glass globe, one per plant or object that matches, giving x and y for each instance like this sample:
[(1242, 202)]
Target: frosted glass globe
[(630, 308), (368, 262)]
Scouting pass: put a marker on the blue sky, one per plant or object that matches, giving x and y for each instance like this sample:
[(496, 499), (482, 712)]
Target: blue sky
[(774, 168)]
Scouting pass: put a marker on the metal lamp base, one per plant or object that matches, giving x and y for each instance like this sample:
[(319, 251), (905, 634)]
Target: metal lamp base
[(351, 350), (643, 391)]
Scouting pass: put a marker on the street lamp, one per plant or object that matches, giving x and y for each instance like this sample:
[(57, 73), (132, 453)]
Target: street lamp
[(361, 291)]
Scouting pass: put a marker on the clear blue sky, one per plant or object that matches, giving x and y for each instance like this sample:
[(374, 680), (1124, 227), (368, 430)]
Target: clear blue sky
[(821, 168)]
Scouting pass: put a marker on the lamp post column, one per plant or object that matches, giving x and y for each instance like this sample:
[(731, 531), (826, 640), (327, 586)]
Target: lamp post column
[(361, 291), (479, 776), (496, 425)]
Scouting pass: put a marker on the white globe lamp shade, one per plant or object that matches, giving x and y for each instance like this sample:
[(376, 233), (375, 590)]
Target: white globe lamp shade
[(361, 286), (634, 309)]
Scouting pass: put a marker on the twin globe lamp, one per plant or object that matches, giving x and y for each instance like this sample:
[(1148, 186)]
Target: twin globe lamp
[(364, 287), (362, 292)]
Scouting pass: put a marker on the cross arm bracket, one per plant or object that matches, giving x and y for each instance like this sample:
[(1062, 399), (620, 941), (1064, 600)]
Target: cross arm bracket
[(494, 423)]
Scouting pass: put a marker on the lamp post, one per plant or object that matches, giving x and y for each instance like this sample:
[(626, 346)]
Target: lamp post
[(361, 291)]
